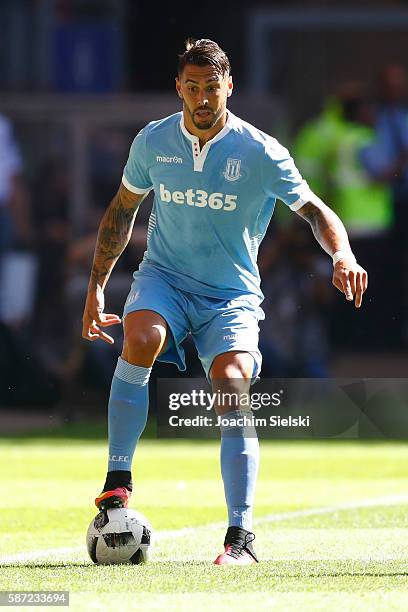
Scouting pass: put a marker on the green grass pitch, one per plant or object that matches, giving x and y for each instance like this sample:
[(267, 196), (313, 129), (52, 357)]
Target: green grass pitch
[(331, 529)]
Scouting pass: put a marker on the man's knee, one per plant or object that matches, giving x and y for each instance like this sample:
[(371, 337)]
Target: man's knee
[(145, 337), (231, 375), (232, 365)]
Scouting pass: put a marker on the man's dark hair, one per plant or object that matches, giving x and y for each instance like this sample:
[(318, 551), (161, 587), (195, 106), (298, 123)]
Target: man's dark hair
[(204, 52)]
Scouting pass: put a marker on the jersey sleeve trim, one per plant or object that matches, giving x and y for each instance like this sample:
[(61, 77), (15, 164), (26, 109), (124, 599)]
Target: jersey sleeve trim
[(306, 196), (134, 189)]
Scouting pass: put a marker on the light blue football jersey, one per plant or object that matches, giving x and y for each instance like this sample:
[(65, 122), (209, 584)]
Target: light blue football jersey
[(212, 206)]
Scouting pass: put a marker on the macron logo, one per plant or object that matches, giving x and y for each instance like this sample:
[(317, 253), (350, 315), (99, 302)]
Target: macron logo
[(169, 160)]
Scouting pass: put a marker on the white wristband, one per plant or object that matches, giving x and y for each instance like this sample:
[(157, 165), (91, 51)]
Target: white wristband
[(342, 255)]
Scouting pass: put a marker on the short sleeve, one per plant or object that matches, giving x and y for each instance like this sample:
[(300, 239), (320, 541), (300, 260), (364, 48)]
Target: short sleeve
[(136, 174), (282, 179)]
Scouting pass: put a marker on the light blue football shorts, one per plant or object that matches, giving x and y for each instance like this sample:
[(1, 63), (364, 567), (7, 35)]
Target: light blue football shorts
[(216, 325)]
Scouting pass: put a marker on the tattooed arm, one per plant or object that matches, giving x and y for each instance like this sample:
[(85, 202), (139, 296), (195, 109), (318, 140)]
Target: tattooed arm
[(114, 234), (348, 277)]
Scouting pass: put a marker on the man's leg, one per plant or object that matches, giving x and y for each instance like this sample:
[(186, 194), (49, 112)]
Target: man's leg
[(231, 375), (145, 334)]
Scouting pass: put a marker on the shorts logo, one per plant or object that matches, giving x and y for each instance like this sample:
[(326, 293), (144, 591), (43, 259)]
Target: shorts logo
[(230, 337), (232, 169)]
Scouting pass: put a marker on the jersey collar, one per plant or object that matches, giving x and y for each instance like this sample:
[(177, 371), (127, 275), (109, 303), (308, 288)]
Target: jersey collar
[(199, 156), (218, 136)]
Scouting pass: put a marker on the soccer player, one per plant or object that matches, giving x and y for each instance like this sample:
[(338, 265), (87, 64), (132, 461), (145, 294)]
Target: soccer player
[(215, 180)]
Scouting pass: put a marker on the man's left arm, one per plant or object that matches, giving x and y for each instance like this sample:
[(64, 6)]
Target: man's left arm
[(348, 277)]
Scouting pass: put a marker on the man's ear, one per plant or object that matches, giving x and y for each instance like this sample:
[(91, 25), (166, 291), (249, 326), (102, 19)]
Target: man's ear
[(178, 88), (230, 86)]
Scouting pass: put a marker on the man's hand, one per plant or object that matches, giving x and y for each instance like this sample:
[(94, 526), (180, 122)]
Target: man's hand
[(94, 318), (348, 277), (351, 279)]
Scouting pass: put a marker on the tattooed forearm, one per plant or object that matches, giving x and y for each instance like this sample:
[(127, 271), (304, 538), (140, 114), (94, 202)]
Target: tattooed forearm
[(114, 234), (327, 228)]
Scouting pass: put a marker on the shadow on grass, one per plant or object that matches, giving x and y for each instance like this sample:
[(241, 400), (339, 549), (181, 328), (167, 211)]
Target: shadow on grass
[(171, 566), (28, 565)]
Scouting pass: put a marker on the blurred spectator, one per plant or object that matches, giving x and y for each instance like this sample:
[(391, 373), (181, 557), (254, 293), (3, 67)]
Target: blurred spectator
[(51, 217), (10, 176), (329, 152), (364, 204), (16, 235), (392, 132), (392, 166), (315, 145), (296, 284), (22, 380)]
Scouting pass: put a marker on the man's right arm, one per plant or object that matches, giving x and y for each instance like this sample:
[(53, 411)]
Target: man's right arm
[(114, 234)]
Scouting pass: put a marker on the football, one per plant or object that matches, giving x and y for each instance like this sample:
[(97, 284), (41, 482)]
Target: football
[(119, 535)]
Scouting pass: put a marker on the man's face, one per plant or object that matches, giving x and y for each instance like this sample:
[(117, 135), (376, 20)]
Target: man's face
[(204, 92)]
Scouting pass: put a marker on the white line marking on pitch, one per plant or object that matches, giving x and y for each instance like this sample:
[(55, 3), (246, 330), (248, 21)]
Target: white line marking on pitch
[(48, 554)]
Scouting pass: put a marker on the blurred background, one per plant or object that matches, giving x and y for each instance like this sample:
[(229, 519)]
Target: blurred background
[(79, 78)]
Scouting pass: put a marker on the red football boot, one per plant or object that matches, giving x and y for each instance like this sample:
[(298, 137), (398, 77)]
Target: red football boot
[(117, 498), (238, 548)]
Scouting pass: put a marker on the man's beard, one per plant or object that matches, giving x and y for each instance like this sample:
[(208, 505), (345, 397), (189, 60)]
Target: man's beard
[(209, 123)]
